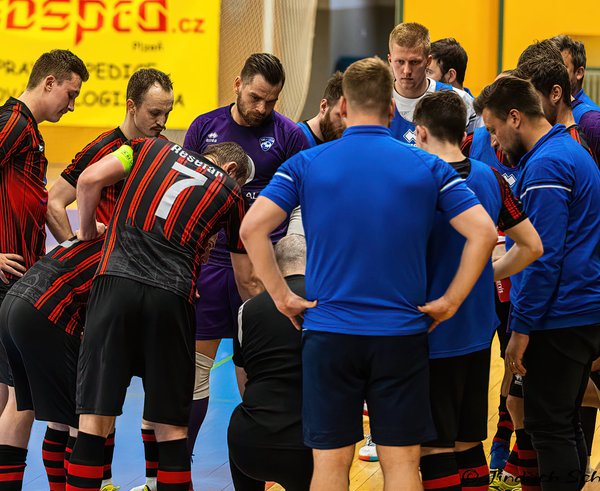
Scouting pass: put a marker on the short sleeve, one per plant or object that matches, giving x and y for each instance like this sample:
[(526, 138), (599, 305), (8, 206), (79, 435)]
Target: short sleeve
[(454, 196), (284, 188)]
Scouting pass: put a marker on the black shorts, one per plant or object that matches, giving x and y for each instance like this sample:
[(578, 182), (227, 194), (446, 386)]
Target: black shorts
[(391, 373), (137, 329), (459, 398), (503, 314), (516, 387), (5, 373), (43, 362)]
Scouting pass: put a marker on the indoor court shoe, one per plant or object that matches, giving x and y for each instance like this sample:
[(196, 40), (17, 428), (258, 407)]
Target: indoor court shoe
[(499, 455), (504, 482), (144, 487), (110, 487), (368, 453)]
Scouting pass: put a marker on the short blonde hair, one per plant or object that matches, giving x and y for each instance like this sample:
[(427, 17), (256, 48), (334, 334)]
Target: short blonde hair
[(411, 35), (368, 85)]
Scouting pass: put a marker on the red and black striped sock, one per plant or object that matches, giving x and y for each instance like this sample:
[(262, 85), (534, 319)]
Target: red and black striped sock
[(174, 469), (473, 469), (150, 452), (505, 427), (12, 467), (68, 452), (53, 455), (512, 464), (86, 466), (109, 450), (440, 472), (528, 464)]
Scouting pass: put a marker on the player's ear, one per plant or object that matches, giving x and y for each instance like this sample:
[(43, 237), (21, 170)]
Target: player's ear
[(579, 73), (130, 105), (556, 94), (514, 118), (49, 82), (421, 134), (391, 111), (451, 76), (237, 84), (230, 168), (343, 107), (323, 106)]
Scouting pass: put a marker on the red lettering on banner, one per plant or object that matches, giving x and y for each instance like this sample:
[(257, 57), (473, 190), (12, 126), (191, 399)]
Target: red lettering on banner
[(87, 9), (122, 19), (153, 16), (50, 13), (16, 7)]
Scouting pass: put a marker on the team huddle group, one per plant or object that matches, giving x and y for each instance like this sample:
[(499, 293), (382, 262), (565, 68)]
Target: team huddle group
[(388, 238)]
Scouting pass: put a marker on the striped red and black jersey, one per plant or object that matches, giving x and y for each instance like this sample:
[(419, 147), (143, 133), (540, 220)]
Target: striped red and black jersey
[(511, 211), (23, 195), (172, 203), (59, 284), (577, 133), (103, 145), (465, 148)]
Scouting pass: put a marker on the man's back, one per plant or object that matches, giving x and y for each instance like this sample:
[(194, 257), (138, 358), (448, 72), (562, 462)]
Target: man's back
[(172, 203), (269, 349), (368, 203), (560, 190)]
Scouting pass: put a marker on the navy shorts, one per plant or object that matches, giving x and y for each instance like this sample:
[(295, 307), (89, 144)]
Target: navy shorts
[(459, 398), (218, 305), (391, 373)]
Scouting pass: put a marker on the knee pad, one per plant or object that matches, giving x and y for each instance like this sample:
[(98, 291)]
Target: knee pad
[(201, 385)]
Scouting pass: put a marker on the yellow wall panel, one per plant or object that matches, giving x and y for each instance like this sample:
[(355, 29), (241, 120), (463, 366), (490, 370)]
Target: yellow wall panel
[(474, 24), (527, 21)]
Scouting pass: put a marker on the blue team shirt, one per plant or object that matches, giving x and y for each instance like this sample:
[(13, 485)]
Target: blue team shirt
[(268, 145), (310, 138), (559, 188), (368, 203), (582, 96), (482, 150), (472, 327)]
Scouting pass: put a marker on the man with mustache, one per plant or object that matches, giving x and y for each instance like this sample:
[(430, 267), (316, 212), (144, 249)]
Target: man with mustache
[(269, 139)]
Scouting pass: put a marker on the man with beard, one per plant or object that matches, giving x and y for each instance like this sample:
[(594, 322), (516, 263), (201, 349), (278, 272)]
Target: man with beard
[(555, 318), (269, 139), (327, 125)]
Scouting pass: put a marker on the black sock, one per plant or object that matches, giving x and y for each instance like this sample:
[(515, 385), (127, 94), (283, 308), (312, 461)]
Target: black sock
[(174, 470), (440, 472), (86, 466), (109, 450), (473, 469), (53, 455), (150, 452), (12, 467)]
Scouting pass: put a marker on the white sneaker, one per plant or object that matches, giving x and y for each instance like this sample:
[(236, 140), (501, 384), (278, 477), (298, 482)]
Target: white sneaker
[(368, 453), (149, 486)]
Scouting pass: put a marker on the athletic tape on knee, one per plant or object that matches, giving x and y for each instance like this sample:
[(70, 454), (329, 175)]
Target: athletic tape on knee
[(203, 366)]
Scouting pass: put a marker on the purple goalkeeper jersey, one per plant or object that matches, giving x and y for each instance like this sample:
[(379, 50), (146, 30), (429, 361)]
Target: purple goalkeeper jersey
[(268, 145)]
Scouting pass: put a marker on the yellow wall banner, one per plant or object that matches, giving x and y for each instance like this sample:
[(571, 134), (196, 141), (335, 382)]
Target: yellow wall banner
[(115, 38)]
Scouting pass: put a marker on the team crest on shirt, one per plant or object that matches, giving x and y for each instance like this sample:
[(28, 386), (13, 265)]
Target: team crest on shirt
[(266, 142), (212, 137), (410, 136), (510, 179)]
